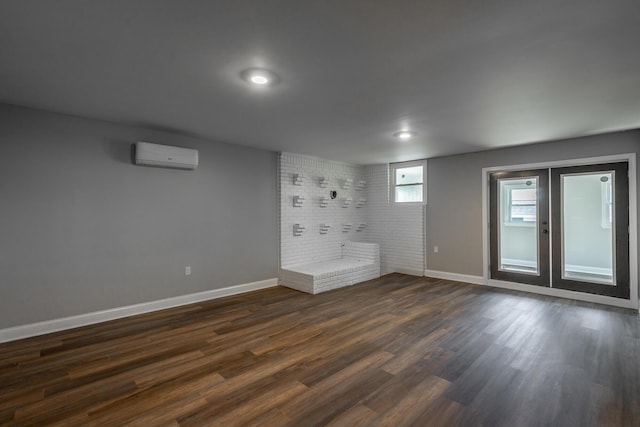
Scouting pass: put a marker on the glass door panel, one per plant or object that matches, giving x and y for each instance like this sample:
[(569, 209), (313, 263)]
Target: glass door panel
[(518, 233), (590, 217), (519, 226), (587, 227)]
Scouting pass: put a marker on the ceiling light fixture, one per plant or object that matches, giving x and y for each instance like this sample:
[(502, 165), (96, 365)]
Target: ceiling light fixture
[(405, 135), (259, 80), (259, 76)]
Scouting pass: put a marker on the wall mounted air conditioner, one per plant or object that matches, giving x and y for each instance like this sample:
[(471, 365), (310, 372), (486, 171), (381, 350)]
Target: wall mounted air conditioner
[(165, 156)]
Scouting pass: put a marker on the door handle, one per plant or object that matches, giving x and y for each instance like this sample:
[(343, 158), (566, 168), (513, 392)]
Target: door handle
[(545, 231)]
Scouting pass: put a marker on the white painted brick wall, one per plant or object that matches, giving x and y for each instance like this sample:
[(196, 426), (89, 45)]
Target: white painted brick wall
[(399, 229), (313, 246), (307, 283), (363, 251)]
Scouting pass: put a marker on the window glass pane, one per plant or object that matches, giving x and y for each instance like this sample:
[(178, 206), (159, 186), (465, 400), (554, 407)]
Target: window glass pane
[(518, 231), (409, 193), (587, 245), (607, 201), (411, 175), (523, 204)]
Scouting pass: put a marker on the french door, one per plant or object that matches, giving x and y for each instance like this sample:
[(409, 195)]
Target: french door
[(565, 228), (519, 223)]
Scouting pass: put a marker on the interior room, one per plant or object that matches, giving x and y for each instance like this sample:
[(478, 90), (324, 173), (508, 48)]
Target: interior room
[(279, 213)]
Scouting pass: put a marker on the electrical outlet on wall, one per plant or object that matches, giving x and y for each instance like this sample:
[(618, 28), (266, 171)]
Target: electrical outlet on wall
[(187, 270), (436, 249)]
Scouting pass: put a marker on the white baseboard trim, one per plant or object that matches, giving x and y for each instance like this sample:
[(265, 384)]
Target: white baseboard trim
[(55, 325), (540, 290), (409, 271), (563, 293), (467, 278)]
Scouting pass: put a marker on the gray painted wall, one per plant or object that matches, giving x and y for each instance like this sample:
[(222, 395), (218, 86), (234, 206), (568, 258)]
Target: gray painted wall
[(454, 211), (82, 229)]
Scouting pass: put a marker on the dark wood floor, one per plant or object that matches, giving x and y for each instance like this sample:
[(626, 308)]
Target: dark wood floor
[(395, 351)]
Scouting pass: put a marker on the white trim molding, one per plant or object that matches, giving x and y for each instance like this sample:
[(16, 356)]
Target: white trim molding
[(457, 277), (532, 289), (61, 324), (410, 271), (562, 293)]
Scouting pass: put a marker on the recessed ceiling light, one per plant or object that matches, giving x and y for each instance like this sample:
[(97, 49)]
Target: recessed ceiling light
[(259, 76), (259, 80), (405, 135)]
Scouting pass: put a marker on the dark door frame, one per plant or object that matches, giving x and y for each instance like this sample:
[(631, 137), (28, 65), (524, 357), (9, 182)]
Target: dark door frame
[(622, 288), (485, 279), (543, 278)]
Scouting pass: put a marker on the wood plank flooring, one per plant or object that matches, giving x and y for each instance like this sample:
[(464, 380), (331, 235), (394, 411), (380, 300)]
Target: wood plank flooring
[(395, 351)]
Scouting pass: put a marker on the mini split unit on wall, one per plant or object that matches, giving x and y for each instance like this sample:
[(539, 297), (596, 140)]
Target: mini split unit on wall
[(165, 156)]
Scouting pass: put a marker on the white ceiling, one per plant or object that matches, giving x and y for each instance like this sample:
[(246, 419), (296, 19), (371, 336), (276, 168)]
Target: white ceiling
[(467, 75)]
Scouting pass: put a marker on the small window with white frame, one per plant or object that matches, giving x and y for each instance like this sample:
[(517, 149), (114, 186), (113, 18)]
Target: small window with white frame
[(521, 201), (407, 181), (606, 196)]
